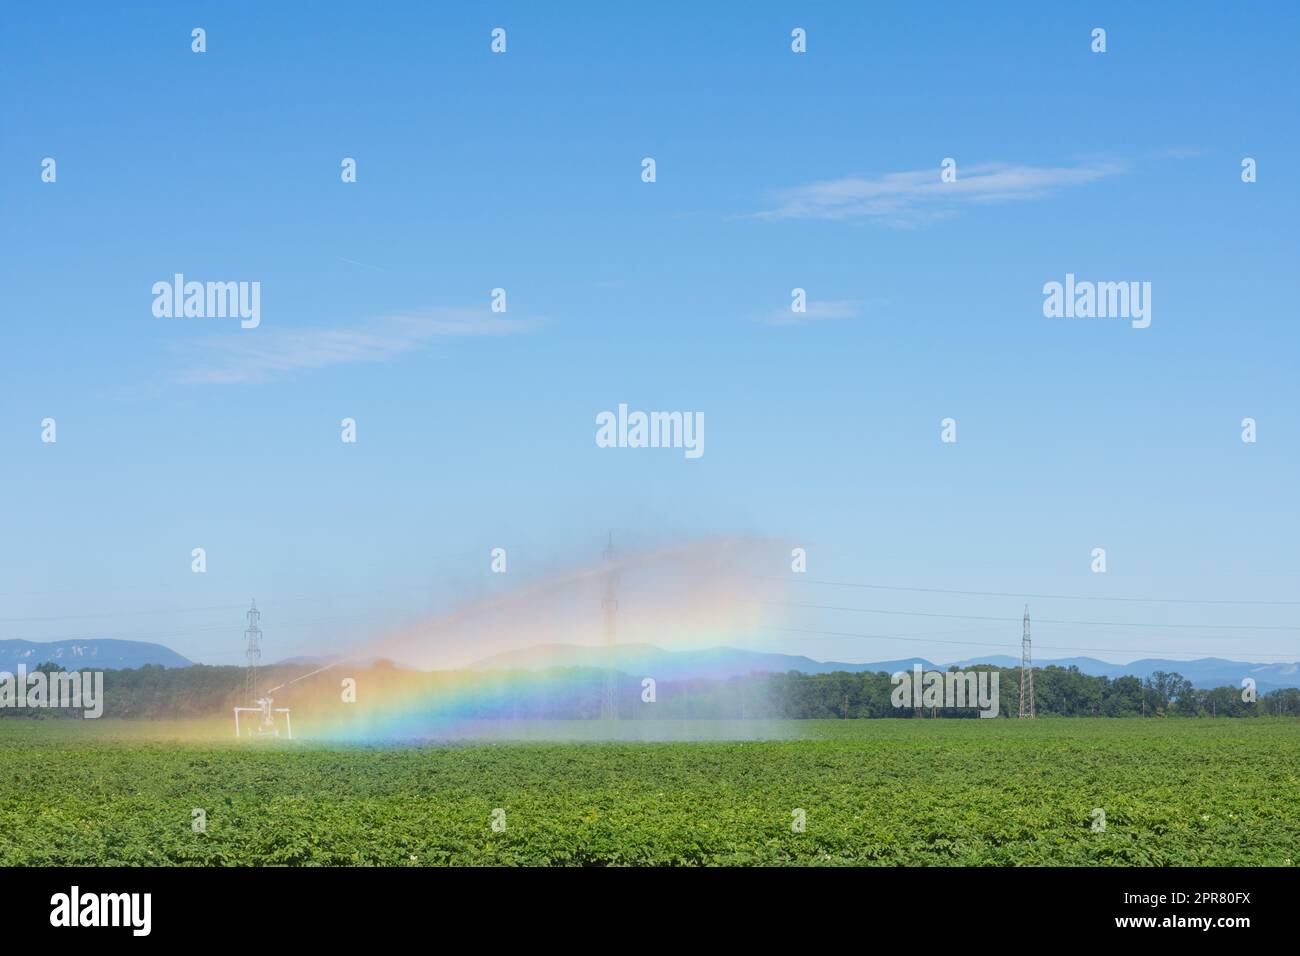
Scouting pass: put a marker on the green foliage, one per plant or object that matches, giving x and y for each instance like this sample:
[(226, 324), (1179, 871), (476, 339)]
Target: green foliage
[(161, 693), (934, 792)]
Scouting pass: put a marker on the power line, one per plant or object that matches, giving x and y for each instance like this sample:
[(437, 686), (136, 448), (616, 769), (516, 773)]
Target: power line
[(212, 628), (91, 590), (347, 572), (978, 617), (787, 579), (1026, 594), (103, 614), (211, 608)]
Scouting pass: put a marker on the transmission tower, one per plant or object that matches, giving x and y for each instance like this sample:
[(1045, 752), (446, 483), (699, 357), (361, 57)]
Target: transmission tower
[(610, 604), (254, 653), (1026, 672)]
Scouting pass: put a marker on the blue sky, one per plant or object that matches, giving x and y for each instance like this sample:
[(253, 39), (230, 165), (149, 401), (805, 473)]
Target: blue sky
[(522, 171)]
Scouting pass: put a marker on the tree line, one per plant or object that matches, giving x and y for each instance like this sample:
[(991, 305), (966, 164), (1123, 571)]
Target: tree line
[(155, 692)]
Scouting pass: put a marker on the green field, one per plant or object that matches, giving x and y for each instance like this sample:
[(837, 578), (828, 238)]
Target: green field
[(919, 792)]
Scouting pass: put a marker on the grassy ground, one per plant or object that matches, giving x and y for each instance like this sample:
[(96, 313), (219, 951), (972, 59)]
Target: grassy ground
[(987, 792)]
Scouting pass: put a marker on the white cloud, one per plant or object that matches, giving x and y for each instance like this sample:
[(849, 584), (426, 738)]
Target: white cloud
[(258, 355), (917, 198), (839, 309)]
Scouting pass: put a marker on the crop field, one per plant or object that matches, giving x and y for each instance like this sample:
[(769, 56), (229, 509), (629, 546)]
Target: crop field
[(872, 792)]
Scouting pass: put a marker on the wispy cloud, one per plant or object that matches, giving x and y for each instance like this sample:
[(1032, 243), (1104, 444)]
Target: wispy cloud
[(817, 311), (364, 265), (262, 354), (918, 197)]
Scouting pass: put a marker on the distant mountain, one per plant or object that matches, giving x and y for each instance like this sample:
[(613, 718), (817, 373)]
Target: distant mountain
[(102, 653), (719, 663), (647, 660), (1205, 672), (309, 660), (714, 663), (305, 660)]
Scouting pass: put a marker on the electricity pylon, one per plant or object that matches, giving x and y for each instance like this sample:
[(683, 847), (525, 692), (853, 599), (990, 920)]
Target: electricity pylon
[(254, 653), (1026, 672)]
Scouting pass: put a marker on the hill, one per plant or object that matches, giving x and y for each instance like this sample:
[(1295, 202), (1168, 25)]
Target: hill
[(719, 663), (101, 653)]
